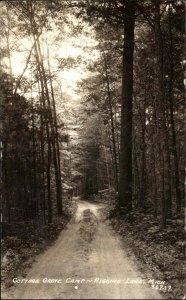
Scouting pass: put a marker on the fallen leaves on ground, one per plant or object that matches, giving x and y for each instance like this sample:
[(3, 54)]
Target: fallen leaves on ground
[(23, 240), (160, 251)]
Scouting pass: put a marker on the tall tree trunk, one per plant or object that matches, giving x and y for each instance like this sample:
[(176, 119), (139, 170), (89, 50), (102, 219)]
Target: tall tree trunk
[(107, 166), (53, 136), (112, 123), (56, 137), (171, 104), (5, 180), (112, 160), (7, 33), (167, 201), (125, 179), (143, 185), (42, 156), (136, 175), (48, 138), (154, 185), (34, 153)]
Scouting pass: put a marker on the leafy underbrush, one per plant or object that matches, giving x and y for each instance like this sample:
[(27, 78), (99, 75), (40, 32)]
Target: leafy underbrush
[(160, 251), (23, 240)]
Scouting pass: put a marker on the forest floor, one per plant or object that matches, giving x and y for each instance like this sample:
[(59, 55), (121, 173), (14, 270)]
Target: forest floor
[(23, 241), (159, 253), (86, 262)]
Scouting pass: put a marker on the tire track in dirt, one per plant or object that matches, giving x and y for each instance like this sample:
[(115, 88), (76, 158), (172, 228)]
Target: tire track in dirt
[(85, 255)]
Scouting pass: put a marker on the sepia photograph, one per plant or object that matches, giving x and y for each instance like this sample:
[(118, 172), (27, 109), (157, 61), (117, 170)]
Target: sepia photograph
[(92, 149)]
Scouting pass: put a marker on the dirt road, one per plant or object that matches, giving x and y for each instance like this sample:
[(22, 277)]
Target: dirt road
[(86, 262)]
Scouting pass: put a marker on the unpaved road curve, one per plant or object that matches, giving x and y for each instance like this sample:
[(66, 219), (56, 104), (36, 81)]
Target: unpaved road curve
[(88, 250)]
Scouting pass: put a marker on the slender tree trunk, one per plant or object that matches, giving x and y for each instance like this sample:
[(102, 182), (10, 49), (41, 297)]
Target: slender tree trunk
[(154, 183), (56, 136), (173, 130), (112, 123), (143, 162), (162, 108), (136, 173), (42, 156), (164, 202), (34, 153), (107, 167), (112, 159), (7, 33), (53, 138), (125, 180), (47, 117), (156, 142), (117, 137), (5, 181), (49, 202)]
